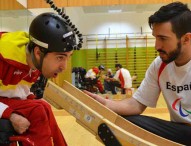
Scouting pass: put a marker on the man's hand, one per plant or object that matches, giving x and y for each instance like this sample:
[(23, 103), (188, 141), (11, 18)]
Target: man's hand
[(20, 123), (96, 97)]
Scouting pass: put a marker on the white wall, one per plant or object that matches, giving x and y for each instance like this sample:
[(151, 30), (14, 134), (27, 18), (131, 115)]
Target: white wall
[(14, 24), (100, 24), (111, 26)]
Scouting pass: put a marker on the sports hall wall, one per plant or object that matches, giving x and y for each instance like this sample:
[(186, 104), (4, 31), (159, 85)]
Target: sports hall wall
[(135, 59), (108, 38), (116, 38)]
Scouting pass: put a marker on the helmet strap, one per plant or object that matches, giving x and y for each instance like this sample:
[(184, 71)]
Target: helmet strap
[(35, 62)]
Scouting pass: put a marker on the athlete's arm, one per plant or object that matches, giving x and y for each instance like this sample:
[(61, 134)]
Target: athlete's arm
[(20, 123), (128, 106)]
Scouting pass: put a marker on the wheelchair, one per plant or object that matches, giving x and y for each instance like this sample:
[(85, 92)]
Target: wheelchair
[(8, 136), (90, 85)]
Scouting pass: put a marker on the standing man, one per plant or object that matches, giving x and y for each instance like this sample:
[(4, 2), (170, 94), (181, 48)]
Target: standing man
[(169, 73), (23, 57)]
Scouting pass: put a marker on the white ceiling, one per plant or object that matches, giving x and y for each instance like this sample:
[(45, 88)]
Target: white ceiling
[(124, 8)]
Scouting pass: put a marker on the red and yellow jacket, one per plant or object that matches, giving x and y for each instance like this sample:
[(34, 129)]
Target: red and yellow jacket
[(16, 77)]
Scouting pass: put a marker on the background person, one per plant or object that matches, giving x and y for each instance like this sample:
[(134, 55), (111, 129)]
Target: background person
[(92, 77), (122, 79), (169, 73), (108, 75)]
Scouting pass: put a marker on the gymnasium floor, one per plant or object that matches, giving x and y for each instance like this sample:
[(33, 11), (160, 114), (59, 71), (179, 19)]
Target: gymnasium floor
[(76, 135)]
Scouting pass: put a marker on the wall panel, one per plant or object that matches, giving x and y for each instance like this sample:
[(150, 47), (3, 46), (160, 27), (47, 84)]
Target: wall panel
[(144, 1), (42, 3), (84, 3), (10, 5)]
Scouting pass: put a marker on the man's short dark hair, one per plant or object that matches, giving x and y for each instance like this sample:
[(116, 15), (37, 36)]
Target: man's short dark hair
[(177, 13), (118, 65)]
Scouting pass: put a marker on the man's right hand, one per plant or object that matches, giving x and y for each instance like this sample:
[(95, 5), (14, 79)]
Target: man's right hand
[(96, 97), (20, 123)]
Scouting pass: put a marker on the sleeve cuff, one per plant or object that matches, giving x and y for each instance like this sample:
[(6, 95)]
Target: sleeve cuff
[(31, 96), (7, 113)]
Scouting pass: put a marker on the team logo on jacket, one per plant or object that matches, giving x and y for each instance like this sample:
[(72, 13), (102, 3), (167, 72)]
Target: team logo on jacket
[(182, 111), (17, 72)]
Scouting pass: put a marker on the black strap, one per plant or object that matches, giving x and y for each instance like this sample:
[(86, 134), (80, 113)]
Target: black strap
[(107, 136), (6, 130)]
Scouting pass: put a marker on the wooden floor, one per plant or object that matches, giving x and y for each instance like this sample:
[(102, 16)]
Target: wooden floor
[(76, 135)]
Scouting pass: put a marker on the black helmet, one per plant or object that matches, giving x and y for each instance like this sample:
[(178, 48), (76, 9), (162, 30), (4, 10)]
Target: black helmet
[(101, 67), (50, 31)]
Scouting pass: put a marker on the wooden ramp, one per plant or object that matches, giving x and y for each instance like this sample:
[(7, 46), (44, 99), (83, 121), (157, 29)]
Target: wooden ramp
[(91, 114)]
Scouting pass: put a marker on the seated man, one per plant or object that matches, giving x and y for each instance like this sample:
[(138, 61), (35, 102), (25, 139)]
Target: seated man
[(121, 79), (93, 75), (23, 58), (109, 74)]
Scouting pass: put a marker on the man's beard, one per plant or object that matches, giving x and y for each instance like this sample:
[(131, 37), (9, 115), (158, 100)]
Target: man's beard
[(172, 55)]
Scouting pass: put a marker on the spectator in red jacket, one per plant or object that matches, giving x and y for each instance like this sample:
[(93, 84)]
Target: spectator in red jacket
[(93, 75)]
